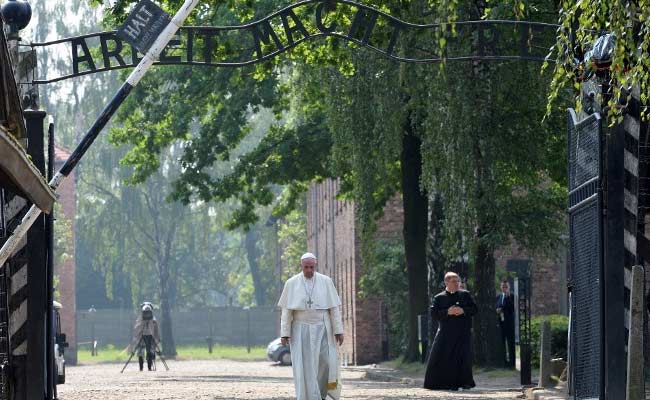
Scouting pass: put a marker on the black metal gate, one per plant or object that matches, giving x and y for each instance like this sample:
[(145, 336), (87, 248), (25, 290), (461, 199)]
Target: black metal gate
[(586, 276), (522, 326), (4, 312)]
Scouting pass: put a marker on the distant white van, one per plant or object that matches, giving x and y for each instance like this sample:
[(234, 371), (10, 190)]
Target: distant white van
[(60, 344)]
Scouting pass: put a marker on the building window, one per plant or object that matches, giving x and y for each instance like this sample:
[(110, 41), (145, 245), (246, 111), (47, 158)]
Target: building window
[(521, 267)]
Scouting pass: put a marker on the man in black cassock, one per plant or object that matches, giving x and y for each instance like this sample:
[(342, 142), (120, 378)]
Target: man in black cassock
[(506, 316), (450, 360)]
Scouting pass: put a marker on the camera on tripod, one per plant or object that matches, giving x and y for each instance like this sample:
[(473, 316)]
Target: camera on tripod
[(146, 338)]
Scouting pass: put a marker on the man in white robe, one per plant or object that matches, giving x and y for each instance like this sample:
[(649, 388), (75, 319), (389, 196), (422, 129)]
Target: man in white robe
[(311, 322)]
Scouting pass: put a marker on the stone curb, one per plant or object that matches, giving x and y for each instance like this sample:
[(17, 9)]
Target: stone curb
[(389, 376), (386, 376), (544, 394)]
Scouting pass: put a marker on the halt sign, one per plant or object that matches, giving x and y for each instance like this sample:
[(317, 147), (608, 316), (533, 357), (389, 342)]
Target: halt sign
[(143, 25)]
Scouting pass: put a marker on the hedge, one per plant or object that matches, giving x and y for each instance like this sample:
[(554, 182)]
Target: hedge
[(559, 332)]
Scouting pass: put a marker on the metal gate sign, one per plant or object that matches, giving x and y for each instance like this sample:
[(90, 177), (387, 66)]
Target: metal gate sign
[(307, 20), (143, 25)]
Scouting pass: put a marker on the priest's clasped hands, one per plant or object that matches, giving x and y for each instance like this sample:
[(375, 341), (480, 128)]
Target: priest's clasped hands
[(455, 311), (339, 339)]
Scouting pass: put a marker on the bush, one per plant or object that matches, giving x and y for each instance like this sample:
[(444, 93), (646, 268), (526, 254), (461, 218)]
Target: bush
[(559, 332)]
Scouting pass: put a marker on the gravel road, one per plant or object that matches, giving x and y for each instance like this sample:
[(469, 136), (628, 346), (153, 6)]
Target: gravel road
[(225, 379)]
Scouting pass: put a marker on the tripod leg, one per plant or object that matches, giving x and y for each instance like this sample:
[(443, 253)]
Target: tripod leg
[(132, 354), (161, 357), (127, 361)]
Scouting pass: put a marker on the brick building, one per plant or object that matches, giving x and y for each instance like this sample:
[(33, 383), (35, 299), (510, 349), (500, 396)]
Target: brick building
[(332, 236), (548, 283), (66, 271)]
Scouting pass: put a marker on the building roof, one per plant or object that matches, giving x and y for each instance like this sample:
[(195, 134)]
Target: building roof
[(61, 154), (17, 172)]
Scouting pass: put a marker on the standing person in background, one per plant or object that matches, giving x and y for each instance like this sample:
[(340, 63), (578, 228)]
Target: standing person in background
[(506, 316), (450, 361), (311, 320)]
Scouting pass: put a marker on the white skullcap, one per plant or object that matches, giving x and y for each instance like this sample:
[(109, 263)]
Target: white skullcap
[(308, 256)]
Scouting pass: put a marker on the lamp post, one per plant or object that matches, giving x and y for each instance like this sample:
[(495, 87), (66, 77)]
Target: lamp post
[(16, 14), (93, 342), (210, 339)]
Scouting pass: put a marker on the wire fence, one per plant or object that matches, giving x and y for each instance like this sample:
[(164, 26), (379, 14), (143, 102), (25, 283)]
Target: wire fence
[(236, 326)]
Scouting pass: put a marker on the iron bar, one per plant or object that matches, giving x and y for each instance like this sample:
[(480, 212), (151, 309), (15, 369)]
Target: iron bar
[(134, 78)]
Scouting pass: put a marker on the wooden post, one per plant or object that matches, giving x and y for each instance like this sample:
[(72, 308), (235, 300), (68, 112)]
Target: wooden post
[(634, 387), (36, 272), (613, 382), (545, 355)]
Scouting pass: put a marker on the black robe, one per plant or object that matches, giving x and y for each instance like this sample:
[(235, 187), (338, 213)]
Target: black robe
[(450, 360)]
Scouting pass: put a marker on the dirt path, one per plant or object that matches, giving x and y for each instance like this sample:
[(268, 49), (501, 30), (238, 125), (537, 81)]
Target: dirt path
[(224, 379)]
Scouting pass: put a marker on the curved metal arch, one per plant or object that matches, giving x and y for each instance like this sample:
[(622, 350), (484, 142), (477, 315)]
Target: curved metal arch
[(309, 2), (484, 27)]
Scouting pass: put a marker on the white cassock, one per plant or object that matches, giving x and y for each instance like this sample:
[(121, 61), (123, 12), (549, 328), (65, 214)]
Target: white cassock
[(311, 316)]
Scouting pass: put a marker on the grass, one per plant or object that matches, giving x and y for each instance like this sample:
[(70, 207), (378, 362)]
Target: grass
[(495, 373), (111, 354)]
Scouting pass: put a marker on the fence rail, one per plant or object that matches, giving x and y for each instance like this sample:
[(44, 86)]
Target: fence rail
[(235, 326)]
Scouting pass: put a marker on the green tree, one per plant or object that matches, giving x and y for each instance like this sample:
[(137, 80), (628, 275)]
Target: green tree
[(379, 126), (495, 174), (581, 24), (124, 253), (293, 240)]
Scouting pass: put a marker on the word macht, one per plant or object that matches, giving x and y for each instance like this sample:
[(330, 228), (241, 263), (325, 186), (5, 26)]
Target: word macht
[(237, 46)]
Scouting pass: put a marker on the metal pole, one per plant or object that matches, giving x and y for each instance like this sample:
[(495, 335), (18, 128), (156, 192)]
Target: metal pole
[(36, 250), (123, 92), (92, 312), (523, 287), (248, 329), (49, 332), (613, 363), (211, 337)]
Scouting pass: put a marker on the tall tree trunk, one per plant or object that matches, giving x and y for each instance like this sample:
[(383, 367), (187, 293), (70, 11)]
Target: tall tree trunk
[(435, 259), (485, 336), (168, 343), (486, 345), (415, 233), (252, 254), (486, 342)]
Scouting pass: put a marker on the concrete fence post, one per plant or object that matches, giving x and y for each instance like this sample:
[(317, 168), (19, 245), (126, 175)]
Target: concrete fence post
[(634, 386), (545, 355)]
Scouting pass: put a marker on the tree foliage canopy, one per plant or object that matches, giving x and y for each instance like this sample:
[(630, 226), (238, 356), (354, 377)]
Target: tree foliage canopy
[(344, 112), (582, 22)]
